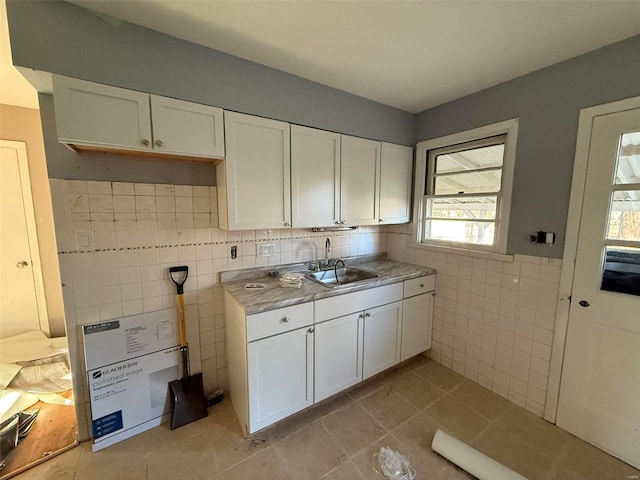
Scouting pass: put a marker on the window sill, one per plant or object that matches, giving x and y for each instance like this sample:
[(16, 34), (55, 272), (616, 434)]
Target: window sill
[(462, 251)]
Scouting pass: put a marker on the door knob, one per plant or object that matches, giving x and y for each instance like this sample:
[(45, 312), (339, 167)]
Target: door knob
[(159, 143), (22, 264), (144, 142), (584, 303)]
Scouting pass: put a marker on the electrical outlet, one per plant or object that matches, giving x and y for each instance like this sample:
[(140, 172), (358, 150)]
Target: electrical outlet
[(84, 240), (266, 250), (234, 252)]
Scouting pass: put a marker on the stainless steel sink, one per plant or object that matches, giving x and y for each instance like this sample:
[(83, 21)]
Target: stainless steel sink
[(346, 276)]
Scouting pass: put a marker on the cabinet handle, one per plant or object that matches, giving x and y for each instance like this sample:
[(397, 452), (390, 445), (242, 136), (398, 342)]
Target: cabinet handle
[(380, 220), (361, 315), (367, 314), (311, 330), (159, 143), (145, 142), (287, 224), (22, 264), (343, 222), (285, 320)]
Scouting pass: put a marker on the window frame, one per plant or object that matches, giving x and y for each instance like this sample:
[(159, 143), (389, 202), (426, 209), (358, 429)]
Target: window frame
[(503, 206)]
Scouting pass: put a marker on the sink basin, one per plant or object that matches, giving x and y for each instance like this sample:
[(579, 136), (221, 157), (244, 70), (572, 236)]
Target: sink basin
[(346, 276)]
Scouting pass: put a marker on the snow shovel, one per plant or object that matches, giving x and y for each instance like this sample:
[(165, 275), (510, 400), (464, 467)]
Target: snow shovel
[(188, 402)]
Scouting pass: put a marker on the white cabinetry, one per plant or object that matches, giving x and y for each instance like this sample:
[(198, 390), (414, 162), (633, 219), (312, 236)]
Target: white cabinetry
[(359, 181), (396, 167), (254, 180), (382, 337), (338, 355), (417, 316), (93, 117), (270, 362), (315, 177)]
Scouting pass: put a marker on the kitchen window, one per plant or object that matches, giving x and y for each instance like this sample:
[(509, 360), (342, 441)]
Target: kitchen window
[(463, 188)]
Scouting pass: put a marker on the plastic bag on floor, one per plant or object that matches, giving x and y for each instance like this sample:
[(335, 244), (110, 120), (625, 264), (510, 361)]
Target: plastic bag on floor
[(391, 465)]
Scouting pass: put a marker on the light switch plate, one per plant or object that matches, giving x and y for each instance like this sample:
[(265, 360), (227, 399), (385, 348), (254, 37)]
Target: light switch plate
[(84, 240), (266, 250)]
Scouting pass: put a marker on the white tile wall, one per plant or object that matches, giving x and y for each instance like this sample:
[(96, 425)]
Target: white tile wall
[(493, 319), (136, 231)]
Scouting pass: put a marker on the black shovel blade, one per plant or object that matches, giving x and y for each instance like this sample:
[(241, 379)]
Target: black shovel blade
[(188, 402)]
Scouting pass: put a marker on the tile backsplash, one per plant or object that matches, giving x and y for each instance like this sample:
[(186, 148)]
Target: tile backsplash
[(116, 241), (493, 319)]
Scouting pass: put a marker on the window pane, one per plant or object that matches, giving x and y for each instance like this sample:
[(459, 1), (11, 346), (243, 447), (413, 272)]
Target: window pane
[(474, 182), (628, 166), (474, 208), (472, 159), (480, 233), (624, 216), (621, 270)]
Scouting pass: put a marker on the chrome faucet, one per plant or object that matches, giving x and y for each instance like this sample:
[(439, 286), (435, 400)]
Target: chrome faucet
[(327, 250)]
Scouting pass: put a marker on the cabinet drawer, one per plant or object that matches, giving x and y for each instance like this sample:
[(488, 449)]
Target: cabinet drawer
[(340, 305), (277, 321), (416, 286)]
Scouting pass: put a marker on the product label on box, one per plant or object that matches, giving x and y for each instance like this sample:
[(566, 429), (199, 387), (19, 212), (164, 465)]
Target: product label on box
[(130, 363)]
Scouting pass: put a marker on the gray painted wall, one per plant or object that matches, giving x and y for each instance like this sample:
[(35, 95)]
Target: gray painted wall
[(65, 163), (548, 103), (59, 37)]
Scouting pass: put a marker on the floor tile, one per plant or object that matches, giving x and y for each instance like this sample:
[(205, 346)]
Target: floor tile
[(480, 399), (417, 435), (417, 390), (310, 453), (533, 430), (392, 373), (456, 418), (60, 467), (331, 405), (416, 362), (365, 388), (353, 428), (267, 464), (230, 446), (292, 424), (365, 459), (346, 471), (440, 376), (194, 458), (388, 408), (593, 463), (514, 453), (455, 473)]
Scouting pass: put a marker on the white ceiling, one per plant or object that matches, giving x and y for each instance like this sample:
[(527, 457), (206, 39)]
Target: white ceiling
[(410, 55)]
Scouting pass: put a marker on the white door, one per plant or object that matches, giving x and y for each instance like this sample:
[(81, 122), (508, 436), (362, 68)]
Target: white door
[(280, 377), (382, 336), (417, 315), (22, 304), (396, 167), (315, 177), (338, 355), (600, 389), (257, 170), (186, 128), (92, 114), (359, 181)]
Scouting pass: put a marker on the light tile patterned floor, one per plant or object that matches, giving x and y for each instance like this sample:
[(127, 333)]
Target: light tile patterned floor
[(335, 440)]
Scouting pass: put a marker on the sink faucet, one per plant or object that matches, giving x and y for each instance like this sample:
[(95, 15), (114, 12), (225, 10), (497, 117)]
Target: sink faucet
[(327, 250)]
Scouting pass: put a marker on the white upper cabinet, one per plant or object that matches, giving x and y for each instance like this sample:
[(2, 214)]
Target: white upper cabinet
[(315, 177), (183, 127), (396, 167), (91, 116), (360, 181), (254, 183)]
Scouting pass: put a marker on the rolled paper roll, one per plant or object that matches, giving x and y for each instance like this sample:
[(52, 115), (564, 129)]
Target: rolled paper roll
[(470, 459)]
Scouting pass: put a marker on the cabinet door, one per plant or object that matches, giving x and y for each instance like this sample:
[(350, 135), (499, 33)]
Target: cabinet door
[(417, 315), (255, 174), (315, 177), (280, 377), (359, 181), (92, 114), (338, 355), (187, 128), (382, 336), (396, 166)]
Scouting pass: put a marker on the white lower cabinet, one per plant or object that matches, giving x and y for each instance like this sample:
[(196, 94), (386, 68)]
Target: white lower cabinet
[(280, 376), (284, 360), (382, 338), (338, 355)]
